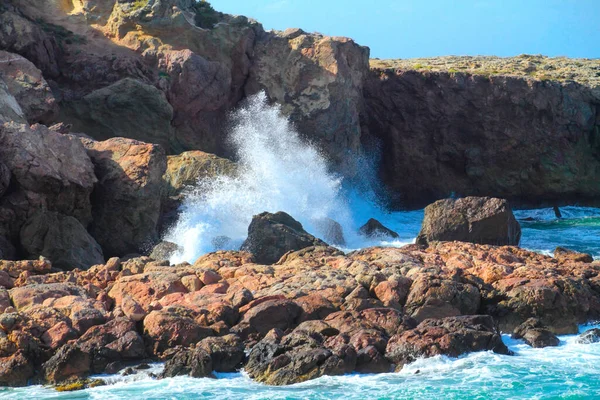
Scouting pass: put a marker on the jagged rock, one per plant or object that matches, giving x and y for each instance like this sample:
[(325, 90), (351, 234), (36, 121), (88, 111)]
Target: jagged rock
[(280, 314), (318, 80), (15, 370), (294, 358), (535, 334), (15, 268), (270, 236), (31, 295), (226, 352), (374, 228), (69, 362), (191, 362), (10, 110), (128, 108), (563, 255), (171, 327), (589, 336), (448, 336), (482, 220), (4, 178), (127, 198), (26, 83), (61, 239), (51, 171)]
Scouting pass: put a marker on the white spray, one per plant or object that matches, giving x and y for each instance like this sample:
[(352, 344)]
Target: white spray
[(277, 172)]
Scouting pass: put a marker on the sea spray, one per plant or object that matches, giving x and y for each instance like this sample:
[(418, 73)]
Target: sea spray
[(278, 171)]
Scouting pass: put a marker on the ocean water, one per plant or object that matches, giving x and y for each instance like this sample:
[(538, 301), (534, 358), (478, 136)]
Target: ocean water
[(569, 371), (281, 172)]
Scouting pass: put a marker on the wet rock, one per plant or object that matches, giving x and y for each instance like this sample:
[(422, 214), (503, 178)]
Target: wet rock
[(294, 358), (589, 336), (68, 363), (270, 236), (15, 370), (563, 255), (482, 220), (369, 360), (130, 181), (62, 239), (448, 336), (535, 334), (374, 228), (226, 352), (196, 363)]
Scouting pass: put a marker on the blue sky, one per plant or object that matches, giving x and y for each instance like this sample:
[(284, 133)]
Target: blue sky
[(421, 28)]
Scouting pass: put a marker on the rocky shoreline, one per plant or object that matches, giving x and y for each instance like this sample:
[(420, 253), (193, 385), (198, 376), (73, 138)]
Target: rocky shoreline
[(315, 312)]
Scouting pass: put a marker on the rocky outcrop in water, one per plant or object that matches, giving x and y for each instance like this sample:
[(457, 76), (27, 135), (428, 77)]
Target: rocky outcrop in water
[(480, 220)]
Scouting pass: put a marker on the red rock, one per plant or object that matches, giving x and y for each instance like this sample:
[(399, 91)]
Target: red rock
[(393, 293), (168, 328), (279, 314), (15, 370), (314, 306), (147, 287), (208, 277), (58, 335)]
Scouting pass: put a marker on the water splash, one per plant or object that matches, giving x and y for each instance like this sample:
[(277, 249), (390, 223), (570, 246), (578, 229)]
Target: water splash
[(278, 171)]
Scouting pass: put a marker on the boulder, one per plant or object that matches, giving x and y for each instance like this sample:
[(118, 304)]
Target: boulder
[(52, 171), (16, 370), (482, 220), (27, 296), (146, 287), (564, 255), (331, 231), (15, 268), (374, 228), (280, 314), (129, 109), (61, 239), (69, 362), (535, 334), (226, 352), (26, 83), (10, 110), (448, 336), (127, 198), (171, 327), (196, 363), (4, 178), (295, 358), (270, 236), (589, 336)]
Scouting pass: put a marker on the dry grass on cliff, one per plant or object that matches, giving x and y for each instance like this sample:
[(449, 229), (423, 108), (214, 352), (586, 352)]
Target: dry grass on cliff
[(582, 70)]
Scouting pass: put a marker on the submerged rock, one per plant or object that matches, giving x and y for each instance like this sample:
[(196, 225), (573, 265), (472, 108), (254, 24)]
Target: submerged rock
[(589, 336), (270, 236), (535, 334), (482, 220)]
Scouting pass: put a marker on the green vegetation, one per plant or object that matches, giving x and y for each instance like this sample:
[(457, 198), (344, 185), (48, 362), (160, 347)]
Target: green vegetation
[(206, 16), (79, 385), (138, 4)]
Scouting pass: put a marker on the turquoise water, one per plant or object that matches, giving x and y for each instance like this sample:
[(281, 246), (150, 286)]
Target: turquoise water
[(569, 371)]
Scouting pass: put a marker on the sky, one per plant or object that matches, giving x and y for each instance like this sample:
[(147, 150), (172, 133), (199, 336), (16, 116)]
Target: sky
[(426, 28)]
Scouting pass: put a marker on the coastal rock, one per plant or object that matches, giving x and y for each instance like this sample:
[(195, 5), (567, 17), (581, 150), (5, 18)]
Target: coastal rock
[(62, 239), (318, 80), (374, 228), (147, 287), (128, 108), (448, 336), (10, 110), (68, 363), (4, 178), (563, 255), (589, 336), (535, 334), (226, 352), (31, 295), (164, 250), (439, 138), (279, 314), (15, 370), (270, 236), (294, 358), (480, 220), (331, 230), (15, 268), (51, 171), (130, 180), (171, 327), (26, 83), (189, 362)]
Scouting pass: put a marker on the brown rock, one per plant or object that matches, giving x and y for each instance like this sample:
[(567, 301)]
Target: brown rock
[(15, 370), (393, 293), (270, 236), (374, 228), (27, 296), (482, 220), (68, 363), (563, 255), (448, 336), (130, 180), (314, 306), (272, 314), (196, 363), (171, 327), (535, 334), (226, 352)]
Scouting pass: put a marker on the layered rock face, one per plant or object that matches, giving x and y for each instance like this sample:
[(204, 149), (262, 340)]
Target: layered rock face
[(454, 133)]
